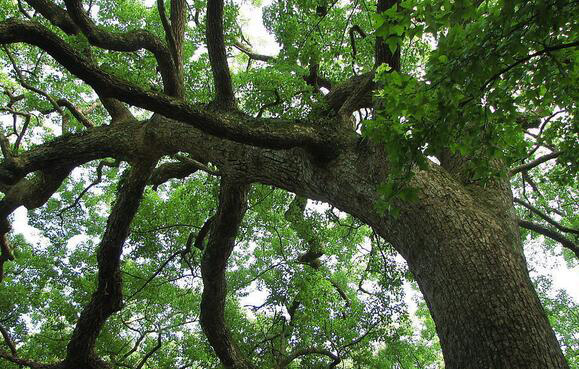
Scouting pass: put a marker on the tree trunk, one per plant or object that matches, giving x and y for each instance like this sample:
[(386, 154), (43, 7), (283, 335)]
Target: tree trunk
[(464, 251)]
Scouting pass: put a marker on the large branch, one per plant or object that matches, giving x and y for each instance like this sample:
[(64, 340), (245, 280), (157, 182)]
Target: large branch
[(551, 234), (128, 41), (107, 299), (277, 134), (24, 362), (175, 34), (232, 206), (217, 55), (55, 15), (59, 17)]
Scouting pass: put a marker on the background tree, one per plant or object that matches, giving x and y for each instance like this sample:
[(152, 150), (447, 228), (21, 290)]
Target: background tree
[(160, 149)]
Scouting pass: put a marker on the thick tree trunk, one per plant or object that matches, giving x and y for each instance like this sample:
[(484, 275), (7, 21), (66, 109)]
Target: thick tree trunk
[(464, 250), (486, 311)]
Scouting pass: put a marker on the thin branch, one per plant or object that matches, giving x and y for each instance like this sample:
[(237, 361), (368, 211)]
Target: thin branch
[(311, 351), (527, 58), (545, 217), (155, 274), (534, 163), (565, 242), (98, 180), (151, 352), (277, 101)]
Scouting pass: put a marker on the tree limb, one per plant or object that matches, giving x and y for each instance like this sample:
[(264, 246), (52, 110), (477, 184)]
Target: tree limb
[(232, 206), (128, 41), (545, 217), (311, 351), (8, 340), (525, 59), (259, 132), (565, 242), (151, 352), (225, 97), (107, 299), (534, 163)]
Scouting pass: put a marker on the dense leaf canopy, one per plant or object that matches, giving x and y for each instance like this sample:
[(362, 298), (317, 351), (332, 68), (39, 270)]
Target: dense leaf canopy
[(493, 83)]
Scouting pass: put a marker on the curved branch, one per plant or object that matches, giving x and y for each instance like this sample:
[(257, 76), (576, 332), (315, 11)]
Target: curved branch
[(232, 206), (565, 242), (23, 362), (526, 59), (128, 41), (276, 134), (107, 299), (311, 351), (150, 353), (55, 15), (31, 193)]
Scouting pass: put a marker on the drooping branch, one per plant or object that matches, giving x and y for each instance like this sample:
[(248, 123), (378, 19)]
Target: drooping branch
[(232, 206), (225, 97), (259, 132), (545, 217), (565, 242), (107, 299), (29, 192)]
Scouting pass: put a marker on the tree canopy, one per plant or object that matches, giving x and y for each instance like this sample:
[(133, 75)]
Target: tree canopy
[(201, 203)]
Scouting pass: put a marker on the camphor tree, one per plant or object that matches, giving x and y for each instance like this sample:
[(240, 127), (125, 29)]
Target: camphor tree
[(159, 138)]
